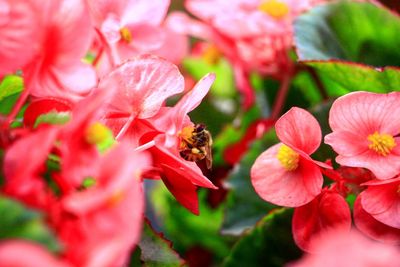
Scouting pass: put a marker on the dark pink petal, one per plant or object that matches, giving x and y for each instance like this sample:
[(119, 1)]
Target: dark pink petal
[(298, 129), (383, 203), (142, 85), (43, 106), (285, 188), (372, 227), (182, 189), (329, 210), (364, 113), (22, 253)]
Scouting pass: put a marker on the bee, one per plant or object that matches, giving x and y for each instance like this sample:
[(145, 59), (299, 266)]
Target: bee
[(195, 144)]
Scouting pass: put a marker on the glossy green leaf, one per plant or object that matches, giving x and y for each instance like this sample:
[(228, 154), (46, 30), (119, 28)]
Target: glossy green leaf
[(155, 251), (351, 43), (270, 243)]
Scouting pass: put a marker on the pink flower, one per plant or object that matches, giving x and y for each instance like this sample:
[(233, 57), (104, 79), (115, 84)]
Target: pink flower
[(285, 174), (137, 115), (18, 25), (65, 36), (21, 253), (365, 128), (328, 210), (255, 35), (133, 27), (373, 228), (344, 249), (382, 200), (101, 224)]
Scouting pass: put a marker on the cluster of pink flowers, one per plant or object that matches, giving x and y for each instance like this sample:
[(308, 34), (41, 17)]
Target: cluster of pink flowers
[(365, 136), (95, 128)]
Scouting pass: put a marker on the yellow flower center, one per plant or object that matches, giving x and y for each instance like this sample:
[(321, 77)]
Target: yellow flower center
[(126, 35), (275, 8), (212, 54), (97, 133), (382, 144), (288, 158)]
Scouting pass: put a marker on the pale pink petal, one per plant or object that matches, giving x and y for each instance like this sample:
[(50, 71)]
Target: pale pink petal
[(110, 28), (298, 129), (364, 113), (181, 23), (78, 78), (142, 85), (144, 11), (146, 37), (22, 253), (383, 203), (372, 227), (285, 188)]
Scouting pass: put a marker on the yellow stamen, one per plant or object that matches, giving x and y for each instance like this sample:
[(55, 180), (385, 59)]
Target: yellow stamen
[(288, 158), (212, 54), (274, 8), (97, 133), (126, 34), (382, 144)]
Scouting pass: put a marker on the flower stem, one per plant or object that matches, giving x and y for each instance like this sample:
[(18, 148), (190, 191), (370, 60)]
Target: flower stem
[(281, 97)]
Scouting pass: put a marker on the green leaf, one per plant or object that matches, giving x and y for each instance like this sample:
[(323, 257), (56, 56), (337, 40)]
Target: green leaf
[(344, 40), (270, 243), (10, 85), (22, 223), (157, 251), (187, 230), (53, 117), (243, 206)]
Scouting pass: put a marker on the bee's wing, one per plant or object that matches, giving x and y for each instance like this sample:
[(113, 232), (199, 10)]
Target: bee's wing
[(209, 157)]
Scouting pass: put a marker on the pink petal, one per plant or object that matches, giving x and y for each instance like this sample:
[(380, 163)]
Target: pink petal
[(18, 30), (78, 78), (382, 167), (383, 203), (33, 255), (372, 227), (193, 98), (347, 143), (364, 113), (147, 37), (298, 129), (142, 85), (285, 188), (144, 11), (183, 190), (329, 210), (110, 28)]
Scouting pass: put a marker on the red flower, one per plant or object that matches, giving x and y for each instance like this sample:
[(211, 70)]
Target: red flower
[(328, 210), (285, 174), (365, 126)]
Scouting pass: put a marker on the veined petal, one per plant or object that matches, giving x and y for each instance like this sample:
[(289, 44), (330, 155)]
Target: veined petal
[(298, 129)]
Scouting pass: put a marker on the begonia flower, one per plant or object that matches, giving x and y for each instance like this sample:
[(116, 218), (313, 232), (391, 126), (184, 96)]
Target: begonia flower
[(349, 249), (285, 174), (365, 127), (327, 211), (134, 27), (254, 35), (65, 36), (373, 228), (382, 200)]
